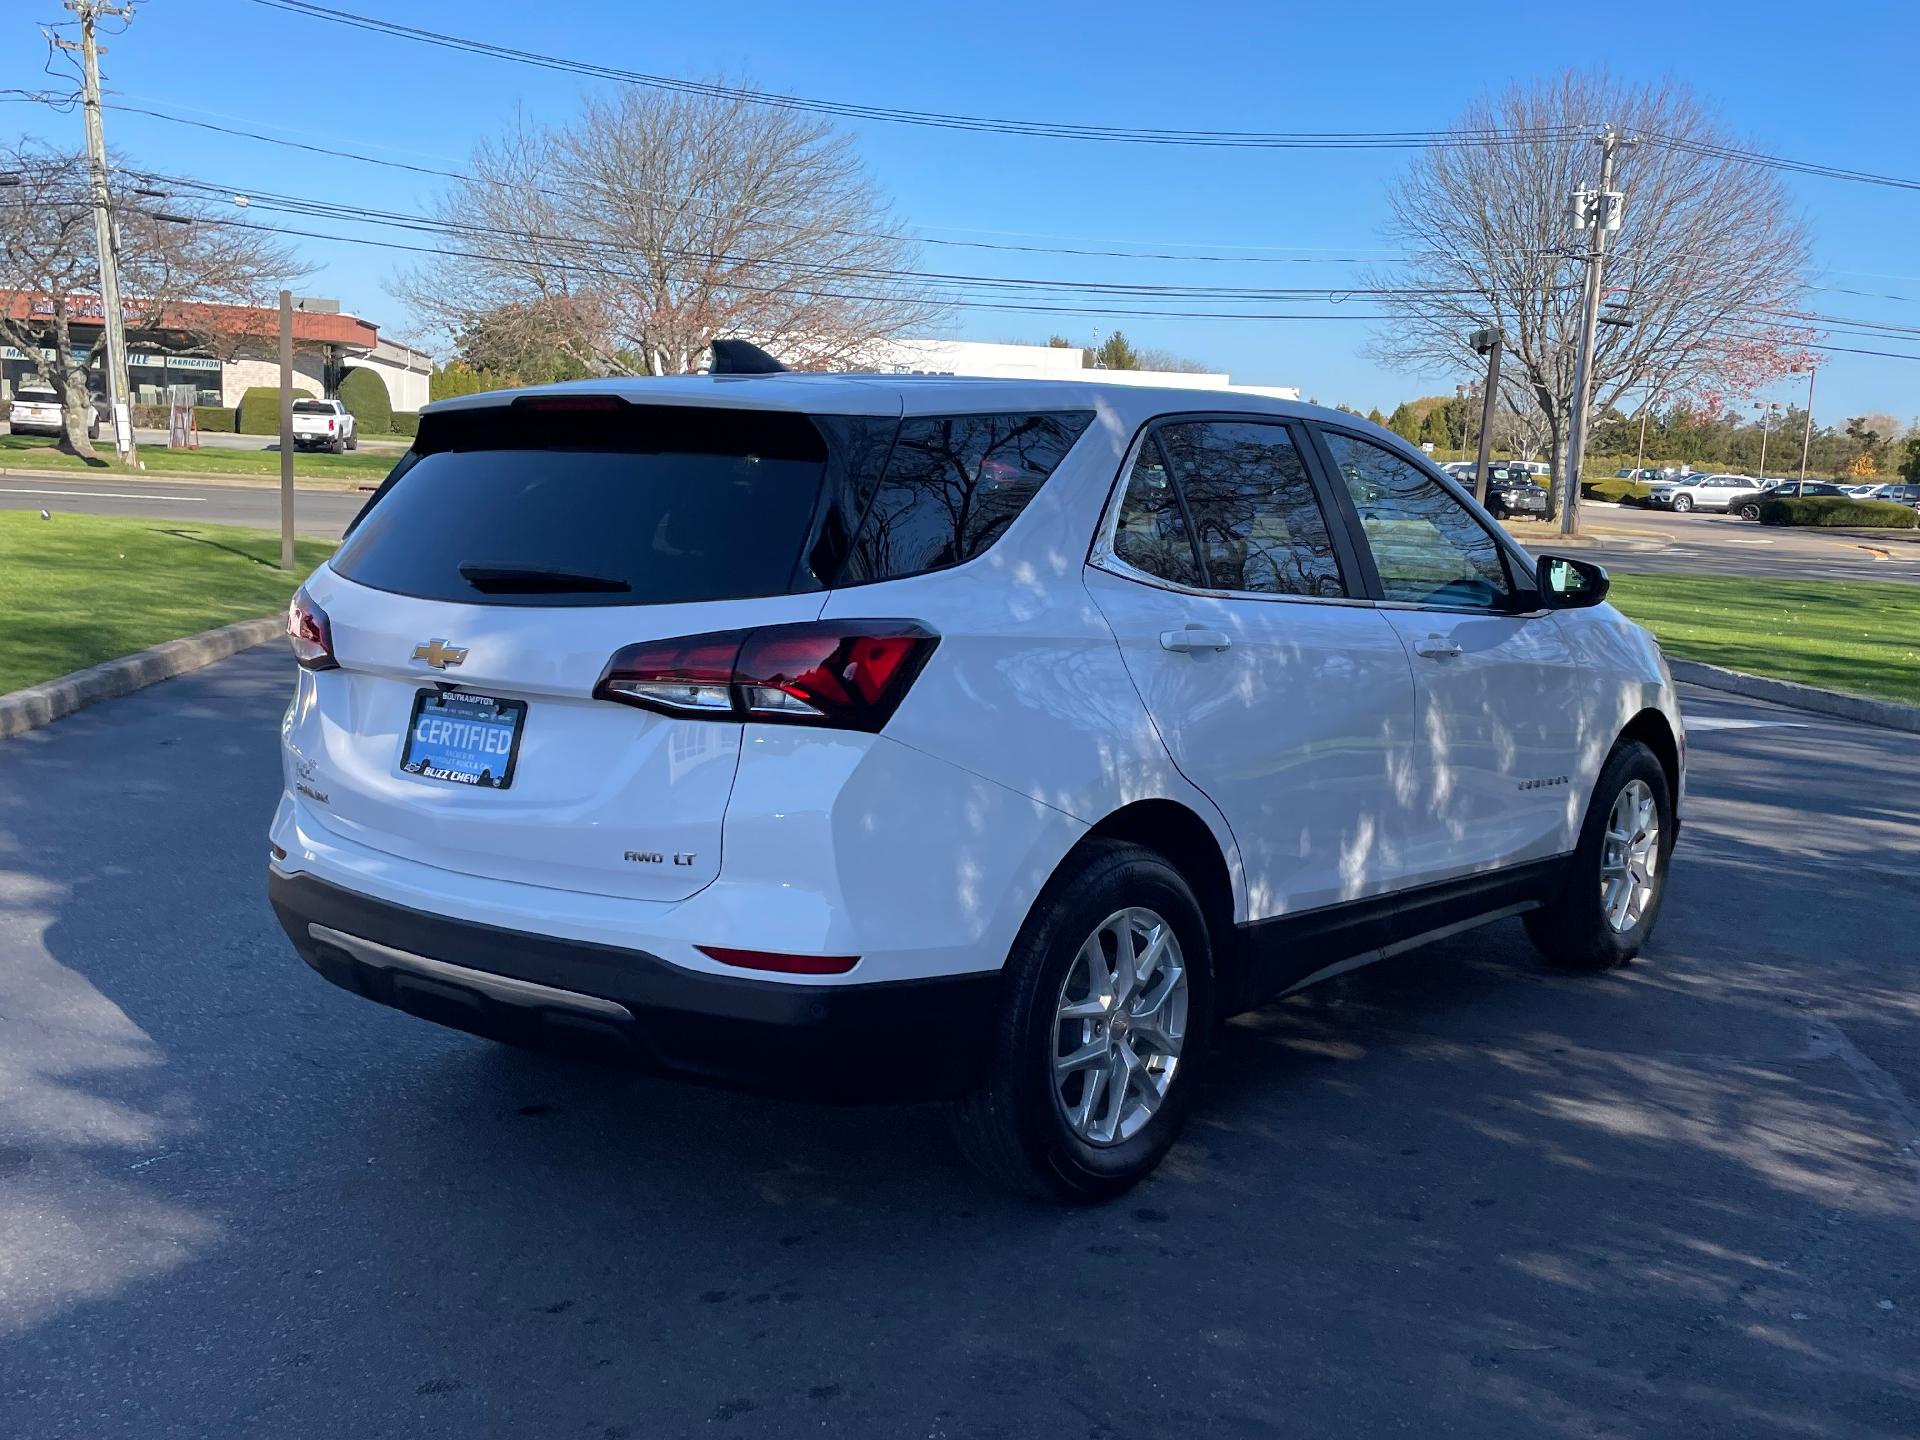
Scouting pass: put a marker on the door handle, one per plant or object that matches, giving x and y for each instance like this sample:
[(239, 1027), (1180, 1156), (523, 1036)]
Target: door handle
[(1436, 647), (1184, 642)]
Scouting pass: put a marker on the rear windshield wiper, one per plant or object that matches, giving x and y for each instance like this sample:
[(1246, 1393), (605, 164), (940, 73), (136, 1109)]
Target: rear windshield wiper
[(536, 580)]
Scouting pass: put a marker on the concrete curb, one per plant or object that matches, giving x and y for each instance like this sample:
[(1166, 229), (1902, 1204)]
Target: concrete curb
[(38, 705), (1890, 713)]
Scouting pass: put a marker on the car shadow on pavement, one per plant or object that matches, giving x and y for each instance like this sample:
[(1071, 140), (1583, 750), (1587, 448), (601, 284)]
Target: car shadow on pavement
[(1455, 1192)]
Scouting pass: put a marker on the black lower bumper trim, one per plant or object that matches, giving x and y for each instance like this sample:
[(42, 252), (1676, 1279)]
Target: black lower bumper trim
[(898, 1040)]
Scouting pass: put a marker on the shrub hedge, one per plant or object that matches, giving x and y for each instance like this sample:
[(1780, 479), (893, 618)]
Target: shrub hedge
[(406, 422), (260, 409), (364, 394), (1624, 492), (1839, 510), (212, 419)]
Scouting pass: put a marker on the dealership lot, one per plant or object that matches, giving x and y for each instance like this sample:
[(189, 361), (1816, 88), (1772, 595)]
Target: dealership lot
[(1453, 1193)]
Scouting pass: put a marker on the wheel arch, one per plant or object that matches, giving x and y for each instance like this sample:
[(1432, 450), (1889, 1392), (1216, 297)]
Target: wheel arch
[(1652, 729), (1188, 843)]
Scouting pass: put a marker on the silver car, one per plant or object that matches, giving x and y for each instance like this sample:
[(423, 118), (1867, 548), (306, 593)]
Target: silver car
[(1703, 492)]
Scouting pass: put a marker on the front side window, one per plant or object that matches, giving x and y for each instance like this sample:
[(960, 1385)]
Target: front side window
[(1428, 548), (1255, 516), (952, 486)]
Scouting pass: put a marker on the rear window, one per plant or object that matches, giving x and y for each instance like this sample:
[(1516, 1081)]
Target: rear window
[(646, 504), (36, 396), (313, 407)]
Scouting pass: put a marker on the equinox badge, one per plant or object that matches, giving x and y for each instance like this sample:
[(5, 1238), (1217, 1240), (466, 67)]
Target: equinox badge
[(439, 654)]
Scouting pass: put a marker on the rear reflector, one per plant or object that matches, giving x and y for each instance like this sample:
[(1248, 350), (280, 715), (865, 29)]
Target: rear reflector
[(310, 632), (784, 964), (843, 674)]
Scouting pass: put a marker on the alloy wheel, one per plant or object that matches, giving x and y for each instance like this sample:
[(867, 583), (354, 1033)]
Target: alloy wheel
[(1630, 858), (1119, 1026)]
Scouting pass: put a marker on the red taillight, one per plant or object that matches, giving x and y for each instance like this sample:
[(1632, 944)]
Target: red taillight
[(784, 964), (329, 424), (847, 674), (310, 632)]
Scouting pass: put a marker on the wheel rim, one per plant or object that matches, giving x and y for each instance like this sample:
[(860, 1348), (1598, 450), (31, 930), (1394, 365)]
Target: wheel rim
[(1630, 863), (1119, 1026)]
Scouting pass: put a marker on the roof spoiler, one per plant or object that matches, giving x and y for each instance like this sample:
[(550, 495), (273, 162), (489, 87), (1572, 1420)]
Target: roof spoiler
[(741, 357)]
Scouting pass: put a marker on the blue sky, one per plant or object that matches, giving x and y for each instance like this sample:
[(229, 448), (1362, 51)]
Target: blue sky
[(1821, 83)]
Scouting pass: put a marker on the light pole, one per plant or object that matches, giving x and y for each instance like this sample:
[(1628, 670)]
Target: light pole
[(1806, 434), (1640, 455), (1486, 342), (1766, 420), (1460, 394)]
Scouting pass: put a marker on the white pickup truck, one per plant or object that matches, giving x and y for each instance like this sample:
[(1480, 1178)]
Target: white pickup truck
[(323, 425)]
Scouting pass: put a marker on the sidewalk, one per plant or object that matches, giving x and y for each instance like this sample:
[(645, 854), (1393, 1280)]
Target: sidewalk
[(319, 484)]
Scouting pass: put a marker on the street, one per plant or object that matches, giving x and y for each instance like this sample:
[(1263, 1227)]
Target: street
[(1658, 542), (322, 513), (1452, 1194)]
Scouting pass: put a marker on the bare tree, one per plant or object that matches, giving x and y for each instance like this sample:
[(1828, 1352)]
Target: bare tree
[(626, 241), (1710, 262), (180, 271)]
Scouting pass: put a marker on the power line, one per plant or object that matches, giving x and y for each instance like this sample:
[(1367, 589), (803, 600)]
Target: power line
[(1060, 130), (1716, 151)]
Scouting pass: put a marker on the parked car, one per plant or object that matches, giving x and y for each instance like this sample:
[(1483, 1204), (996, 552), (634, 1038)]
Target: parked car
[(323, 425), (1748, 506), (1703, 492), (1900, 494), (1645, 476), (37, 410), (751, 727), (1512, 492)]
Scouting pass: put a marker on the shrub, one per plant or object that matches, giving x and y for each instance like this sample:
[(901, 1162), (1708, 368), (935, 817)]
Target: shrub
[(260, 409), (364, 394), (1839, 510), (406, 422), (1623, 492), (151, 417), (218, 419)]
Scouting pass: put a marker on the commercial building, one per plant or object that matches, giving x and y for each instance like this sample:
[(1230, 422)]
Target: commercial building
[(222, 350), (1042, 362)]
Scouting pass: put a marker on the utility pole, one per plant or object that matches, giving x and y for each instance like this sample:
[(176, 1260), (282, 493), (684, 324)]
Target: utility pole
[(1598, 211), (111, 325), (1806, 435), (1488, 343), (286, 430), (1640, 455)]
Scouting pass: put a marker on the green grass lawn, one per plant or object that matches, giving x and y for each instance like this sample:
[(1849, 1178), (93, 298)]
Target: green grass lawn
[(42, 453), (1859, 636), (79, 589)]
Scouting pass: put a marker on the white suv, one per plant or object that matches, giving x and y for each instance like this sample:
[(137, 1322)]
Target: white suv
[(981, 739), (1704, 492)]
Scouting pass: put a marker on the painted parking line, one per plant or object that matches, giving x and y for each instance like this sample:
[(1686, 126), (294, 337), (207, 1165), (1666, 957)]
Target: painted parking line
[(101, 494), (1698, 723)]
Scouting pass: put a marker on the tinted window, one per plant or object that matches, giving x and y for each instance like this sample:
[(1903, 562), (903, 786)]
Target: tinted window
[(952, 486), (1152, 534), (313, 407), (661, 504), (1428, 548), (1253, 509)]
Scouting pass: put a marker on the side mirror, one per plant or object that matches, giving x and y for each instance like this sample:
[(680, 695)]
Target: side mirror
[(1566, 584)]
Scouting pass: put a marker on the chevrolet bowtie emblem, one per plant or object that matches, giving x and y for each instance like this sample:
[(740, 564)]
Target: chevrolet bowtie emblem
[(439, 654)]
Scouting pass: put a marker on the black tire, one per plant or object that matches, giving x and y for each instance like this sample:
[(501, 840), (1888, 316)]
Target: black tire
[(1683, 503), (1011, 1127), (339, 446), (1749, 511), (353, 441), (1573, 930)]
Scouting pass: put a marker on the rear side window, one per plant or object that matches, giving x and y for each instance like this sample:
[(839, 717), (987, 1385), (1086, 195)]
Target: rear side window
[(1152, 533), (952, 486), (642, 505)]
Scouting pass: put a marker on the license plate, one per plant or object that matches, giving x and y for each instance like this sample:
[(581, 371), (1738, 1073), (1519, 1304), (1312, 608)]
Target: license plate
[(463, 739)]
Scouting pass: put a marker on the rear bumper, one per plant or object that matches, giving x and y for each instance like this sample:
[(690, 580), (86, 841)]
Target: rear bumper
[(909, 1039)]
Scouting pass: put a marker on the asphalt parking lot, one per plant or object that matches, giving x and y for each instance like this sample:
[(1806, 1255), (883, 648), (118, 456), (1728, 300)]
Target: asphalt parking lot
[(1450, 1195)]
